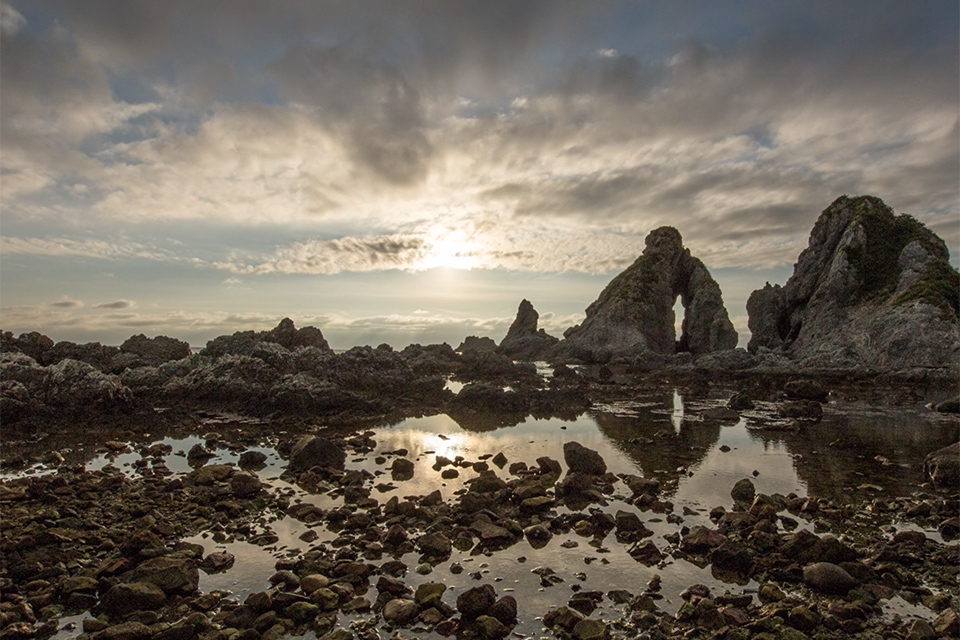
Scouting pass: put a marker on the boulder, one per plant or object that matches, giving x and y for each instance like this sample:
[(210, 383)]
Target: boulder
[(505, 610), (828, 578), (245, 484), (580, 459), (476, 601), (473, 343), (743, 490), (942, 467), (313, 451), (872, 288), (435, 545), (701, 539), (481, 398), (33, 344), (634, 313), (125, 598), (524, 341), (92, 353), (172, 574), (400, 612), (82, 386)]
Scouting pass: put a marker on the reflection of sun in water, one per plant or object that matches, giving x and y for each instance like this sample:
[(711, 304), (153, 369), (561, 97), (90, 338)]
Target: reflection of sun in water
[(449, 446), (452, 250)]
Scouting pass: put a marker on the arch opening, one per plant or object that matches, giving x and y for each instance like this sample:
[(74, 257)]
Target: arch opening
[(680, 341)]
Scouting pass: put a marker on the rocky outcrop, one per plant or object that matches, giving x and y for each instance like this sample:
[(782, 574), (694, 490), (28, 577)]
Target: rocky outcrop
[(69, 385), (524, 341), (152, 352), (473, 343), (284, 334), (634, 314), (872, 288)]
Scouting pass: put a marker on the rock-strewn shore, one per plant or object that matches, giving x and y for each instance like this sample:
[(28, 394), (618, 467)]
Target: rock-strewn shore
[(113, 544)]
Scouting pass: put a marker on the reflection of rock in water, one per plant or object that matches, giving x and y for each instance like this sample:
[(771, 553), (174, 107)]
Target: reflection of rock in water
[(485, 407), (857, 445), (652, 442)]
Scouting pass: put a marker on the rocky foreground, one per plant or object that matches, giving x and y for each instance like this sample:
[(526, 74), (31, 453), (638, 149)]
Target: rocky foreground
[(112, 544)]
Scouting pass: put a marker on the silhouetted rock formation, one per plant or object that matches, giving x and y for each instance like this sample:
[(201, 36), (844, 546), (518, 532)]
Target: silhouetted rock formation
[(284, 334), (872, 288), (523, 340), (141, 351), (634, 314), (473, 343)]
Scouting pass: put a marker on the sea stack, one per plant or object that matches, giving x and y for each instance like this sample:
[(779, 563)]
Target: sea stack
[(524, 341), (634, 314), (872, 289)]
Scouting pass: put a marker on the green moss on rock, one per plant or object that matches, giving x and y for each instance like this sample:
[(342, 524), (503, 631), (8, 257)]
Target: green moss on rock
[(886, 236), (939, 285)]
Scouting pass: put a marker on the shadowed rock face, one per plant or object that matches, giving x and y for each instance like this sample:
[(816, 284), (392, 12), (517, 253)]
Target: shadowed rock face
[(634, 313), (523, 340), (871, 288)]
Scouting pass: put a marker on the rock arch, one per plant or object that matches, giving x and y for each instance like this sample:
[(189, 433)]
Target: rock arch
[(634, 314)]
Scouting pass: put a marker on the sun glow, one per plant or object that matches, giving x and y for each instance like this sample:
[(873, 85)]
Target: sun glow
[(452, 250)]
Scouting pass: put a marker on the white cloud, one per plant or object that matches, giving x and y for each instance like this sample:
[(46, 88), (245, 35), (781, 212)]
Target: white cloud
[(59, 247)]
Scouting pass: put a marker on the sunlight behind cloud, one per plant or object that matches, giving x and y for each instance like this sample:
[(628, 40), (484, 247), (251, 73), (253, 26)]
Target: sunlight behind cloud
[(453, 250)]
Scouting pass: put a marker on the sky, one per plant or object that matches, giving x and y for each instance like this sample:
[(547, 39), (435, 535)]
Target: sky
[(407, 171)]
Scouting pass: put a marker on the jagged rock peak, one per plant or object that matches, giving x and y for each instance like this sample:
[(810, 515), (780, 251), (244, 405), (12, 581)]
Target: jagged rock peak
[(524, 341), (634, 314), (872, 288)]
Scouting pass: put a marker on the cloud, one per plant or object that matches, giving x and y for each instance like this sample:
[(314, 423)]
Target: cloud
[(328, 257), (117, 304), (66, 303), (59, 247), (11, 20)]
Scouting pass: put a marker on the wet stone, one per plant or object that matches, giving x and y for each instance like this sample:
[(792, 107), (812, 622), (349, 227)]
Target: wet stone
[(589, 629), (252, 460), (125, 598), (828, 578), (429, 594), (170, 573), (400, 612), (743, 491), (490, 627), (435, 545), (476, 601)]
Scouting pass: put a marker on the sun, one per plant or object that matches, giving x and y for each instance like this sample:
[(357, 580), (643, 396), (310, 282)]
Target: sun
[(452, 250)]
